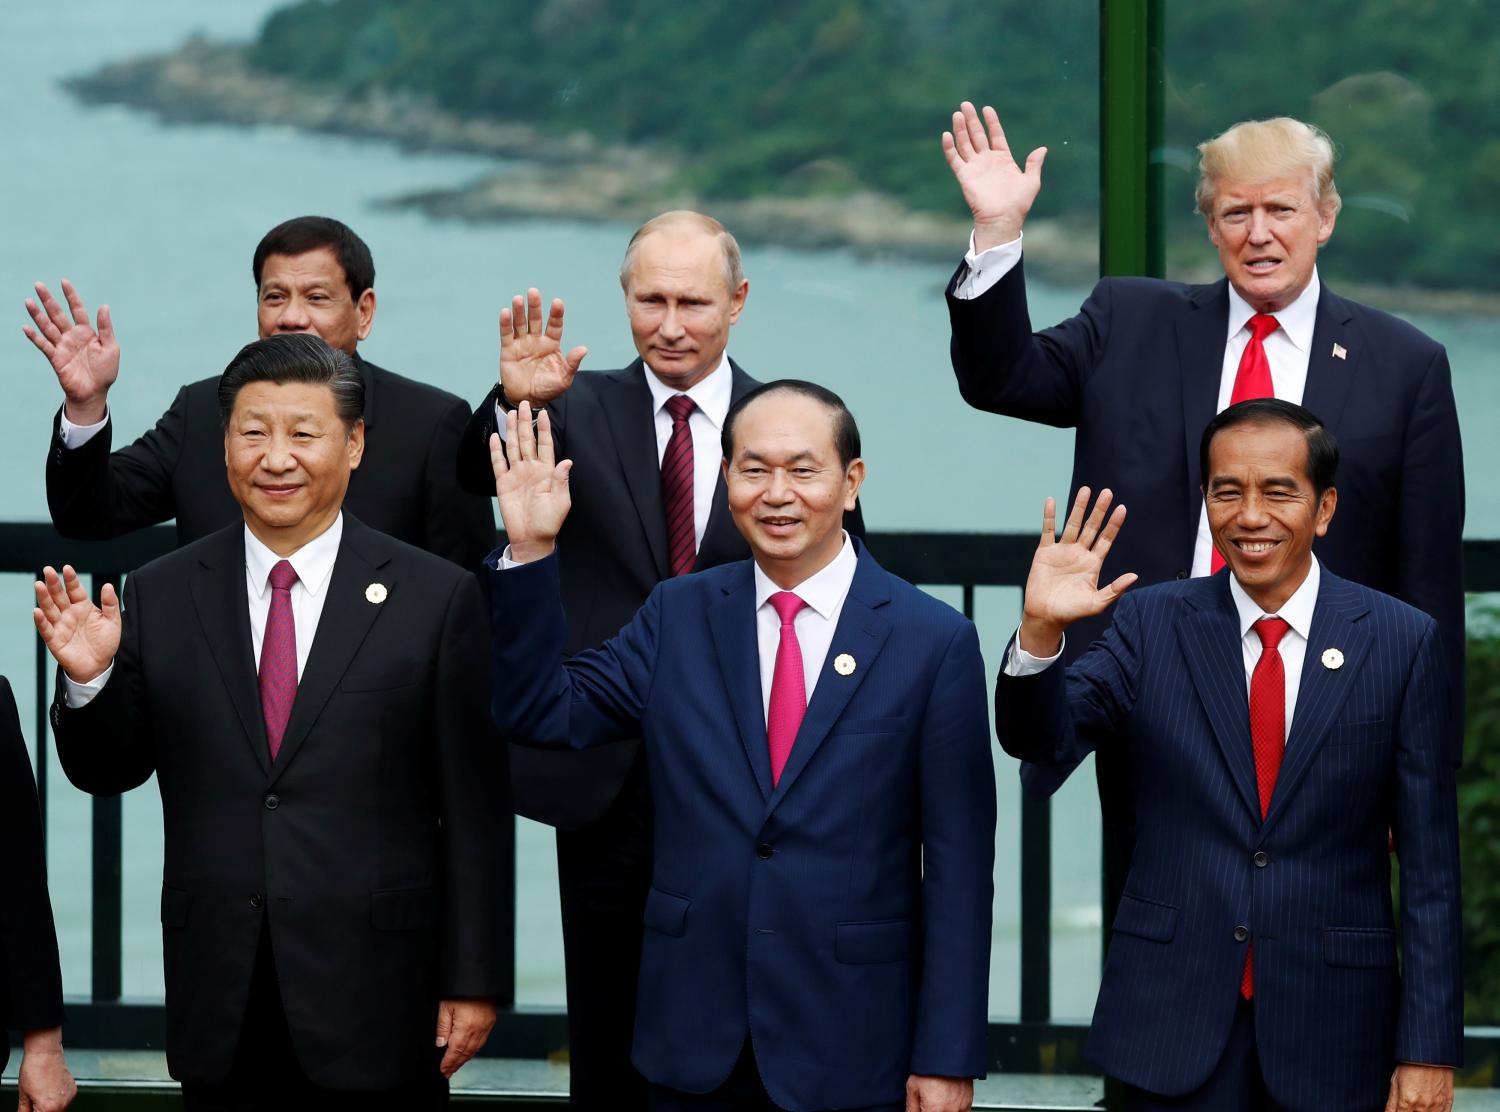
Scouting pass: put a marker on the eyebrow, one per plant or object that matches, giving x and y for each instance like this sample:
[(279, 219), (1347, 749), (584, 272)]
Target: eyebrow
[(804, 454), (1275, 481)]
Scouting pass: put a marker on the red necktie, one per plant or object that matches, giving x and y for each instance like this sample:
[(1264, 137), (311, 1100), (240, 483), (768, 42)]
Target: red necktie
[(278, 657), (677, 487), (1267, 731), (1252, 380), (788, 685)]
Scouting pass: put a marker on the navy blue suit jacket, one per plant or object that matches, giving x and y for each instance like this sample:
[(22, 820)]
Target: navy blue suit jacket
[(841, 918), (1137, 371), (1366, 754)]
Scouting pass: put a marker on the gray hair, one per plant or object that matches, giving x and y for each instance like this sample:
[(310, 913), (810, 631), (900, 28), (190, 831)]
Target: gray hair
[(734, 271)]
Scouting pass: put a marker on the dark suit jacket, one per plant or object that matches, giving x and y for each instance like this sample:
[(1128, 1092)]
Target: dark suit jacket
[(370, 846), (1367, 753), (841, 918), (612, 552), (404, 486), (1137, 373), (30, 978)]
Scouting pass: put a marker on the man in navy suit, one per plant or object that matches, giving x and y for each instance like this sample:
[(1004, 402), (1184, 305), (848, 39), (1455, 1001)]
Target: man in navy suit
[(1286, 725), (1145, 364), (818, 925)]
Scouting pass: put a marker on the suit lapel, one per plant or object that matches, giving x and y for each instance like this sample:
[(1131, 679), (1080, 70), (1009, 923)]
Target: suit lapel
[(345, 620), (861, 633), (721, 539), (731, 620), (223, 608), (1329, 377), (631, 420), (1210, 639), (1323, 690), (1200, 358)]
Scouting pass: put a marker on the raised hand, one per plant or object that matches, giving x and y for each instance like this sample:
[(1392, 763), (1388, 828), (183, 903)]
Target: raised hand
[(999, 192), (531, 485), (532, 364), (86, 362), (1063, 585), (82, 638)]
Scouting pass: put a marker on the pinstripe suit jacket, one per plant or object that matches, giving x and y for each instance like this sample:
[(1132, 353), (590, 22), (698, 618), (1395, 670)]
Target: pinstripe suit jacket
[(841, 917), (1310, 884)]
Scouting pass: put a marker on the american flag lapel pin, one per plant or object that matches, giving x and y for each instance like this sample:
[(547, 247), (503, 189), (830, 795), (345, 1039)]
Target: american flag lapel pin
[(1339, 352)]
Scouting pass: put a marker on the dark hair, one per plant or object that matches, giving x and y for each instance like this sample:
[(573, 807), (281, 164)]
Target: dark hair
[(315, 233), (1322, 448), (845, 431), (294, 357)]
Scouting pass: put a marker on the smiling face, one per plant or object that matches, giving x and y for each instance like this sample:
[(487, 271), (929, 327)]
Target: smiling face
[(1268, 235), (289, 457), (1262, 510), (310, 293), (680, 304), (788, 491)]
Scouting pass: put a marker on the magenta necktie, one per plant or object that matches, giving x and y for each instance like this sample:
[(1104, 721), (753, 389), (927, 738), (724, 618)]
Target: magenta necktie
[(1267, 732), (278, 657), (1252, 380), (677, 487), (788, 685)]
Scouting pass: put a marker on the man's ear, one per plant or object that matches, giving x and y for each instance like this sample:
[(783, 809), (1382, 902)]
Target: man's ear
[(854, 478), (1326, 505), (365, 307), (356, 443)]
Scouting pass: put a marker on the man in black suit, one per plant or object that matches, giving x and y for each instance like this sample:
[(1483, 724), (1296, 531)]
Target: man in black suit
[(312, 274), (332, 877), (30, 977), (684, 289)]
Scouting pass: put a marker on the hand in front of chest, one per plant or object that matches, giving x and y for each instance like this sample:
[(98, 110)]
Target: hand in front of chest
[(82, 638), (1063, 585), (531, 485), (532, 364)]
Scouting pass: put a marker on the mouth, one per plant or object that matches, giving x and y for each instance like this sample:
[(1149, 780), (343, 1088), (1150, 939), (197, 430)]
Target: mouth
[(779, 526), (1262, 265), (1255, 548), (284, 491)]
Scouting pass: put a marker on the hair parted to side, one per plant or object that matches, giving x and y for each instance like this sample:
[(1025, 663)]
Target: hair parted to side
[(1322, 448), (294, 357), (302, 234), (734, 271), (845, 431), (1255, 151)]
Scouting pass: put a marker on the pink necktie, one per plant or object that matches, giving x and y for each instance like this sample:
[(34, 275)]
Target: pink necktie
[(278, 657), (788, 685), (1267, 732), (1252, 380), (677, 487)]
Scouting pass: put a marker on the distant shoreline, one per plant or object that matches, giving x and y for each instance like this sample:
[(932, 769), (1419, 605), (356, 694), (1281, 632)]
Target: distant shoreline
[(574, 177)]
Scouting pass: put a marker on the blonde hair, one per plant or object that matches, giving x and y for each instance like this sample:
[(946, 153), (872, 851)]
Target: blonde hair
[(734, 272), (1262, 150)]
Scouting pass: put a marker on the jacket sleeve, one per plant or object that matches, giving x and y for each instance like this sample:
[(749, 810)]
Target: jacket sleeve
[(30, 976), (459, 525), (96, 494)]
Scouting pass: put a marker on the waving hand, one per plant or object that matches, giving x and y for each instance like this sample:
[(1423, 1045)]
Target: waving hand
[(999, 191), (1063, 585)]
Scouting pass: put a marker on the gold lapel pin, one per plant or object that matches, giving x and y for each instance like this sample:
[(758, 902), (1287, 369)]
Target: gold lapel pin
[(375, 593), (1340, 352), (843, 664), (1333, 660)]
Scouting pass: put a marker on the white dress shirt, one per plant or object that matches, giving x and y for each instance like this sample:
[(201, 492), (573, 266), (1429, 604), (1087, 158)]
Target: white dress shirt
[(313, 563), (1287, 349), (76, 436), (824, 592), (711, 401), (1297, 612)]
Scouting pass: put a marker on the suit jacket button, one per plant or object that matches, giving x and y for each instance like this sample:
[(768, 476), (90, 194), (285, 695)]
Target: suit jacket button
[(1182, 574), (273, 801), (764, 851), (1241, 933), (1261, 859), (255, 900)]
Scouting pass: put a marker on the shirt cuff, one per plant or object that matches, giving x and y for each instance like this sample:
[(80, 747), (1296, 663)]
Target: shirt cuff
[(1020, 663), (82, 694), (987, 268), (76, 436)]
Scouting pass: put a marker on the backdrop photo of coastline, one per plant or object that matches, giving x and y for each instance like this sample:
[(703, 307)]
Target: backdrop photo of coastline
[(483, 147)]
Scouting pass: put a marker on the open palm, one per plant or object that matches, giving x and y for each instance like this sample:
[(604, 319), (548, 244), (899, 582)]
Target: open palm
[(532, 363), (86, 361), (1063, 584), (998, 190), (82, 638), (531, 485)]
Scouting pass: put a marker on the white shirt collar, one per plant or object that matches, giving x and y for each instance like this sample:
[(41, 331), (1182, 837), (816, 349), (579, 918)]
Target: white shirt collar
[(1296, 320), (313, 562), (1297, 611), (710, 394), (824, 590)]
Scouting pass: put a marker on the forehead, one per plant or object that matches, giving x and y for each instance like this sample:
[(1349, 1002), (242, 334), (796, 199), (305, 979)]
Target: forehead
[(683, 260), (1259, 448), (285, 401), (1297, 188), (308, 268), (783, 424)]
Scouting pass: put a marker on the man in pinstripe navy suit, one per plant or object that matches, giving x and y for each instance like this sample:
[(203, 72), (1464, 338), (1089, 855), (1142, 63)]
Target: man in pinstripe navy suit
[(1285, 724)]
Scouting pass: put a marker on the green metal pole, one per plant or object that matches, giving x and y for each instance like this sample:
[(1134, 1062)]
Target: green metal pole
[(1130, 124)]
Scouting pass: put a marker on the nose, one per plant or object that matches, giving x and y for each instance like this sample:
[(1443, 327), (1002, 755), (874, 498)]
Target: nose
[(278, 454), (671, 324), (778, 490), (1252, 513), (293, 316), (1260, 227)]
